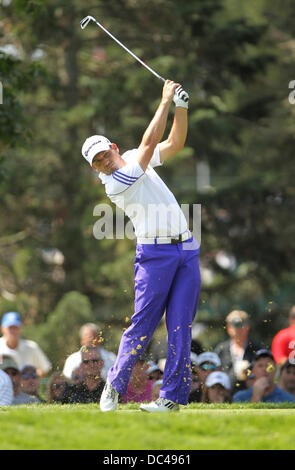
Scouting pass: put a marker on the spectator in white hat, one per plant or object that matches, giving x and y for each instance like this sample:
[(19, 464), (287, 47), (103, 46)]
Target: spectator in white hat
[(23, 351), (217, 388), (202, 365)]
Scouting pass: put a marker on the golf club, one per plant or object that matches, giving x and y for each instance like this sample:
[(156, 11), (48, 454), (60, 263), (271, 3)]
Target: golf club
[(85, 22)]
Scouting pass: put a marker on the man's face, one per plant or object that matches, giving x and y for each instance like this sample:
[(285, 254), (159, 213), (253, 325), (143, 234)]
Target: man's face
[(107, 161), (288, 377), (217, 394), (204, 370), (29, 381), (92, 363), (238, 332), (264, 367), (11, 332)]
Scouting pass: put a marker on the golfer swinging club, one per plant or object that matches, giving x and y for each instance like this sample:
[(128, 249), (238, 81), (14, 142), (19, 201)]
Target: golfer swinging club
[(167, 276)]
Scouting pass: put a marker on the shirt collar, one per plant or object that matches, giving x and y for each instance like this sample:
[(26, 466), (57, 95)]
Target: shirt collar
[(103, 177)]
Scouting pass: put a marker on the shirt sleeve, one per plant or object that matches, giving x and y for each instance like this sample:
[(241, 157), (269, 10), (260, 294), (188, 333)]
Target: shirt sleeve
[(155, 160), (124, 178)]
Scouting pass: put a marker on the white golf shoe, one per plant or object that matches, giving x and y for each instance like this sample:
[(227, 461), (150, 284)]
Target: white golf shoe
[(109, 398), (161, 405)]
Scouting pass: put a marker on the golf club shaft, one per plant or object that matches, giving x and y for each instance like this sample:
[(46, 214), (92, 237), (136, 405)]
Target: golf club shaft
[(85, 22)]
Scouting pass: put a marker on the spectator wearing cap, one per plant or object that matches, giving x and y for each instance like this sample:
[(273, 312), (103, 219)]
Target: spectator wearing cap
[(264, 388), (202, 365), (217, 388), (90, 336), (11, 368), (237, 348), (6, 389), (287, 377), (90, 390), (283, 344), (23, 351), (30, 381), (140, 387)]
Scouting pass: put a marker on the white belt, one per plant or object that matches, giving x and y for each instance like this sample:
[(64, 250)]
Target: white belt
[(161, 240)]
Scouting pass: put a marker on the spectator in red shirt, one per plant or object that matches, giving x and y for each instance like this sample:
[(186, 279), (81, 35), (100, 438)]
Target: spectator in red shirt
[(283, 344)]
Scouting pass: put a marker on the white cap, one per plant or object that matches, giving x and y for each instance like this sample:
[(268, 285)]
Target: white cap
[(218, 378), (209, 356), (93, 145)]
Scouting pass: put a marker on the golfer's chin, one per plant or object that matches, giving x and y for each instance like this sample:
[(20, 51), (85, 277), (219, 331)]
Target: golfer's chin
[(108, 171)]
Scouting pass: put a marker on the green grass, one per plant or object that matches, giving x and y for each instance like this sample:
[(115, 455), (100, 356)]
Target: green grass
[(197, 426)]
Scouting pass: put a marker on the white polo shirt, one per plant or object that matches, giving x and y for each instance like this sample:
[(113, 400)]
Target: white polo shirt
[(27, 353), (145, 198)]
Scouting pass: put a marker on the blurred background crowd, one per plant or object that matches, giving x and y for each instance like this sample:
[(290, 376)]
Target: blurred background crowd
[(238, 370)]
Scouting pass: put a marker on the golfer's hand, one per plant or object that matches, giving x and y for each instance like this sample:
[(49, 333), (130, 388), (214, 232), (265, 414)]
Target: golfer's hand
[(181, 97), (168, 91)]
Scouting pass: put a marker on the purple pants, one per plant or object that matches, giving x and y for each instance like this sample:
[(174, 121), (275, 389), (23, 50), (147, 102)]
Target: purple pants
[(167, 277)]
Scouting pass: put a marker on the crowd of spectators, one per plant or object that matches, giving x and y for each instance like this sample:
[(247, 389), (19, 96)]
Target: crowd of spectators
[(238, 370)]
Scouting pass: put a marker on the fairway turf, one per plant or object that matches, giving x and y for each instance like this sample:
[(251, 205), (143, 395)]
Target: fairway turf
[(197, 426)]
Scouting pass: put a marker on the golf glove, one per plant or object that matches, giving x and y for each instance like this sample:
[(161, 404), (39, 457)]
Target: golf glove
[(181, 97)]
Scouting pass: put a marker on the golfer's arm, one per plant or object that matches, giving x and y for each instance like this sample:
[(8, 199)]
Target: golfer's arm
[(177, 136), (153, 134)]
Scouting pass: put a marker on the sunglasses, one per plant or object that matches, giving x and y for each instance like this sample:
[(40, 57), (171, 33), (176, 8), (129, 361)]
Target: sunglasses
[(208, 367), (33, 375)]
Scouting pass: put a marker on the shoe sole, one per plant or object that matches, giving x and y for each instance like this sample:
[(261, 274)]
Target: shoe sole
[(157, 411)]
